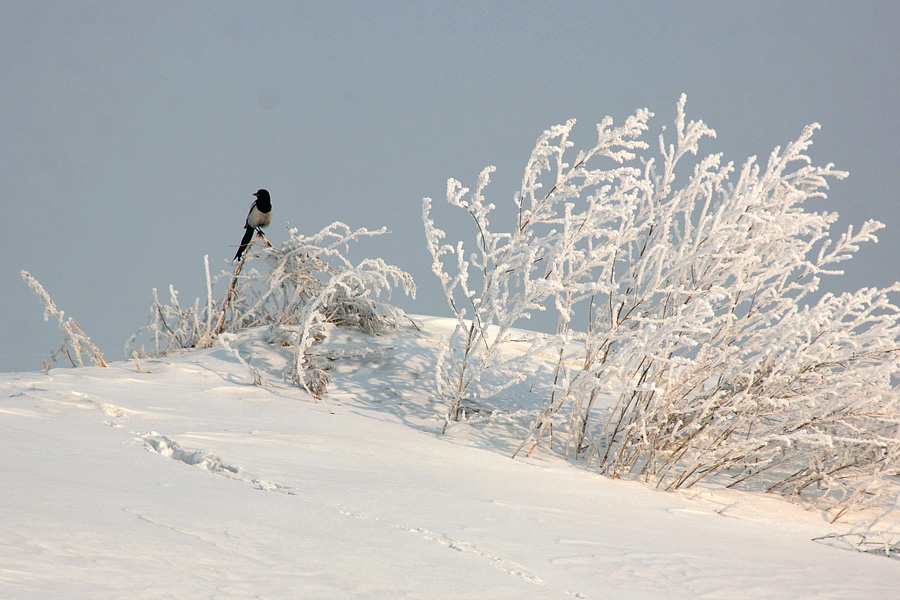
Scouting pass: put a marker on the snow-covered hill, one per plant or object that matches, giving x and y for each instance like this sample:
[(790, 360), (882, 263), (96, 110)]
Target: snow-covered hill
[(178, 478)]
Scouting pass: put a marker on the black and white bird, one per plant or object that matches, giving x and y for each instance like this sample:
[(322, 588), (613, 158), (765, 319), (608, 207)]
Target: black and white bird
[(260, 216)]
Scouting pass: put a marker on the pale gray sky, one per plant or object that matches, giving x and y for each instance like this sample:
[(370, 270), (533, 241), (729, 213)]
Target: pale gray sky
[(133, 134)]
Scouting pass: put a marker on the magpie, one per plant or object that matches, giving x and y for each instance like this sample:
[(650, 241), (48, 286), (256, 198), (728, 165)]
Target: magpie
[(260, 216)]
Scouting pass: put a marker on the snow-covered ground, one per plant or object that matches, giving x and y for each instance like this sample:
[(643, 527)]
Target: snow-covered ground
[(183, 480)]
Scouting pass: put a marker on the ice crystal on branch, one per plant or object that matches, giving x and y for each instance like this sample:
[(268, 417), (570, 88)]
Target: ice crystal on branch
[(706, 352)]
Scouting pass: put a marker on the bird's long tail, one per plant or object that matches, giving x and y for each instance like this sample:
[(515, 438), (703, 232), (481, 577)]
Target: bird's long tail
[(248, 235)]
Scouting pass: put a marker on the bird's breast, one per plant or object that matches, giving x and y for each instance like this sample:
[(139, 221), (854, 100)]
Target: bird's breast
[(257, 218)]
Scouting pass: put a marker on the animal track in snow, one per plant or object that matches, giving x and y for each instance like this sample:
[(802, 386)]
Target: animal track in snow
[(80, 399), (465, 547), (169, 448), (493, 559), (160, 444)]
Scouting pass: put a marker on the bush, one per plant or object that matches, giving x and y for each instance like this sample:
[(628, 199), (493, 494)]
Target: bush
[(706, 352), (307, 282)]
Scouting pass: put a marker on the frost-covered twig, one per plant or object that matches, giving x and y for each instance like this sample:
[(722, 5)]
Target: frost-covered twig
[(76, 343), (225, 339)]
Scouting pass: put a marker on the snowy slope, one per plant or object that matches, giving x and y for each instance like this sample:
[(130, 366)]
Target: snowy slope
[(183, 480)]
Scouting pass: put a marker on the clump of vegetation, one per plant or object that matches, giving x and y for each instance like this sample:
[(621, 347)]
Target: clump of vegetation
[(300, 286), (707, 350)]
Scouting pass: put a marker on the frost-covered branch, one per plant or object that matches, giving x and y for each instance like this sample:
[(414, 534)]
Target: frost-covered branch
[(76, 344)]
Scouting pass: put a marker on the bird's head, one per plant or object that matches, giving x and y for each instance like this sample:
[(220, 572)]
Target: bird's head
[(262, 195)]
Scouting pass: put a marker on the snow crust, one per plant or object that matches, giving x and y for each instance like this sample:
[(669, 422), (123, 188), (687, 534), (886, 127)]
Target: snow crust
[(184, 480)]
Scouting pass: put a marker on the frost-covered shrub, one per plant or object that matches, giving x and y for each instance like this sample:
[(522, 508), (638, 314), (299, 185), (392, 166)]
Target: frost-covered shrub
[(306, 282), (512, 274), (705, 351)]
